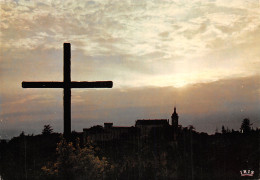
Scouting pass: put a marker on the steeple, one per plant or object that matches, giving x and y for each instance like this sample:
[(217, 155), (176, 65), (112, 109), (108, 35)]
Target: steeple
[(175, 118)]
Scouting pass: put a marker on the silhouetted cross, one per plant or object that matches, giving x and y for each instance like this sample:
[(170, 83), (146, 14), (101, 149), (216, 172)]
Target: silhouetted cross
[(67, 84)]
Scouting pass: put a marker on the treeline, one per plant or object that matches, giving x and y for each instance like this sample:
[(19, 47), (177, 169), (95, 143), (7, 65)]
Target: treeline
[(192, 156)]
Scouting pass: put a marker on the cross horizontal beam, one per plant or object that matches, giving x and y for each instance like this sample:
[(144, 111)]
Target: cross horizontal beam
[(72, 84), (66, 85)]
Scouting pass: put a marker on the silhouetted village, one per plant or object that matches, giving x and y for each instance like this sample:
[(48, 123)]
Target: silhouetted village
[(152, 149), (144, 128)]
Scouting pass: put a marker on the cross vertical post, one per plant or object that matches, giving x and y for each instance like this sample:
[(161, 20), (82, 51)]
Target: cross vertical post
[(67, 84), (67, 90)]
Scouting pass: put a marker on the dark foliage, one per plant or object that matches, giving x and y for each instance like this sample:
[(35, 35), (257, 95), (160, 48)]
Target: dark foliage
[(22, 157), (47, 129), (192, 156), (245, 126)]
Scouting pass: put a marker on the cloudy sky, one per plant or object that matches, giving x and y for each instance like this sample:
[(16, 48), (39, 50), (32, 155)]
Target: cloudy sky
[(202, 56)]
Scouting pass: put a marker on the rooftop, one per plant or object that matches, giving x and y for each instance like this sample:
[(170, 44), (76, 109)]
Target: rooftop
[(152, 122)]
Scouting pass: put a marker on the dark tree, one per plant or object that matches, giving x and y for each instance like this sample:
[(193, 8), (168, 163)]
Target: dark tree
[(22, 134), (245, 126), (191, 128), (223, 130), (74, 162), (47, 129)]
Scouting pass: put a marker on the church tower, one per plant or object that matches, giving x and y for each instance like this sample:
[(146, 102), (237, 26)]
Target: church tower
[(175, 118)]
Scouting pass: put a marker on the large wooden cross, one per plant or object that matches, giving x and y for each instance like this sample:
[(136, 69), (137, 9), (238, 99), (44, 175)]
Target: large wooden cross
[(67, 84)]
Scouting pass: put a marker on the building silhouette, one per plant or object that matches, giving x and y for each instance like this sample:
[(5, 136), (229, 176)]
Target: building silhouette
[(175, 123), (143, 128)]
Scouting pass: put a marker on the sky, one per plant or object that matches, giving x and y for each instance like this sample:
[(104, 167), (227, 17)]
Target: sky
[(202, 56)]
